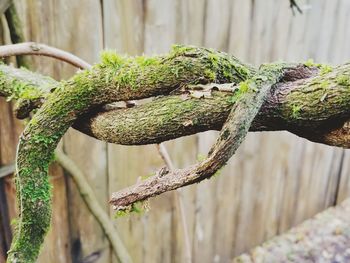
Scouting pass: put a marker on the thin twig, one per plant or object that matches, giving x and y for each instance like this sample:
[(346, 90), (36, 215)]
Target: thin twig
[(294, 5), (179, 203), (32, 48), (96, 210)]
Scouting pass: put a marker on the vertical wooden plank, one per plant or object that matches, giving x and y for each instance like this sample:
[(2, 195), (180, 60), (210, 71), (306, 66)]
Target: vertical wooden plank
[(57, 242), (87, 237), (217, 28), (124, 32), (5, 156), (271, 186), (123, 26), (160, 23)]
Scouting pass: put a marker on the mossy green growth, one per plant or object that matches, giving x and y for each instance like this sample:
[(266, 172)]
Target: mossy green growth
[(184, 65), (311, 64), (296, 111), (343, 80), (243, 87), (115, 78), (110, 58), (34, 195), (137, 208), (324, 69)]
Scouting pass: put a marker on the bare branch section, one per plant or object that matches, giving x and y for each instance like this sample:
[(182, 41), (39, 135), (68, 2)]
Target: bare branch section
[(324, 238), (32, 48)]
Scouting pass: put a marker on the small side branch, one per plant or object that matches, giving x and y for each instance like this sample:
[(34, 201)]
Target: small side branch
[(32, 48), (294, 5)]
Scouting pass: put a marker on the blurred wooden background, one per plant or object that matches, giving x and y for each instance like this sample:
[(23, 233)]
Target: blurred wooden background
[(275, 181)]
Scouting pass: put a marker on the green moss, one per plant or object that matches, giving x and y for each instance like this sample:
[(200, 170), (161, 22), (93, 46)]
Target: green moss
[(296, 111), (324, 69), (214, 59), (311, 64), (144, 61), (110, 58), (243, 87), (137, 208), (115, 78), (179, 50), (343, 80), (210, 74)]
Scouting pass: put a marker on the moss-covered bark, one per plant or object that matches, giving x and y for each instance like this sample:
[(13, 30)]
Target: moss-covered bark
[(304, 100), (174, 116), (115, 78)]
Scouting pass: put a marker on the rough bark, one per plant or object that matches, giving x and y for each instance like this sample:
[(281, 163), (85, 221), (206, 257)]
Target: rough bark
[(115, 78), (173, 116), (299, 98)]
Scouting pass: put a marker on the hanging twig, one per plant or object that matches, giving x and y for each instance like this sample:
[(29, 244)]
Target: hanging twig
[(179, 203), (96, 210), (294, 5)]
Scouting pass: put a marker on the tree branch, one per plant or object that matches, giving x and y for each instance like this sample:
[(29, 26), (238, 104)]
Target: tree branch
[(250, 97), (32, 48), (114, 79), (298, 98), (174, 116), (91, 201)]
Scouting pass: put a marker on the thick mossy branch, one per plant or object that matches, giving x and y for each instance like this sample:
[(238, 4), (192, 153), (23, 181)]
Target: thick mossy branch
[(308, 100), (116, 78), (287, 107)]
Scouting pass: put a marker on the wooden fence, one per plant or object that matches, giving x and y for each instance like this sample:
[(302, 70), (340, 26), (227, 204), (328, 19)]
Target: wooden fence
[(276, 179)]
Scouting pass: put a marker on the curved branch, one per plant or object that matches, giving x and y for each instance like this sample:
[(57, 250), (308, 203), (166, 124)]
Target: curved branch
[(174, 116), (91, 201), (292, 104), (32, 48), (251, 95), (115, 78), (89, 196)]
